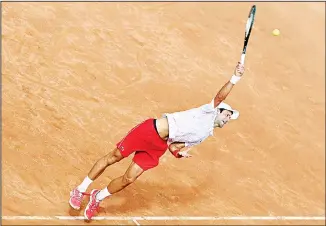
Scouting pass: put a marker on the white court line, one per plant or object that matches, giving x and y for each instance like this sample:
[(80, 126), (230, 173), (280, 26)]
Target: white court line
[(135, 221), (162, 218)]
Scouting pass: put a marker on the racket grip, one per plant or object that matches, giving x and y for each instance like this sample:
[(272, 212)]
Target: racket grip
[(242, 59)]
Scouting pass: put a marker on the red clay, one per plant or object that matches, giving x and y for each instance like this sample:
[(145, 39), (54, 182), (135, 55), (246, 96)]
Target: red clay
[(77, 76)]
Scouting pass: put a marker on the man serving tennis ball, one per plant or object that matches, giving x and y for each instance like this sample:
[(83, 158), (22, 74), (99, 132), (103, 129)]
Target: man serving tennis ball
[(151, 138)]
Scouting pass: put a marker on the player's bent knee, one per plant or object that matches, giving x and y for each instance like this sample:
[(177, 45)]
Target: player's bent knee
[(133, 172), (117, 154), (128, 179), (113, 157)]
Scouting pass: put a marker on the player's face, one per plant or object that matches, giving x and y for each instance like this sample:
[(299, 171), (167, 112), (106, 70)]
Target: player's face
[(223, 118)]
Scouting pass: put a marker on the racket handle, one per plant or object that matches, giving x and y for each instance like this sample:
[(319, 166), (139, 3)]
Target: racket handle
[(242, 59)]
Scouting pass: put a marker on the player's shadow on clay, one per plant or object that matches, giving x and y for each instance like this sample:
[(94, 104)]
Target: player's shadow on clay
[(144, 195)]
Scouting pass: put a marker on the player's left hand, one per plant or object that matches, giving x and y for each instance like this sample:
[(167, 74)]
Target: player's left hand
[(181, 154)]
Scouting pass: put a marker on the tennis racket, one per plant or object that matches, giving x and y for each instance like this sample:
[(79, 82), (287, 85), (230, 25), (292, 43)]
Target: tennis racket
[(249, 25)]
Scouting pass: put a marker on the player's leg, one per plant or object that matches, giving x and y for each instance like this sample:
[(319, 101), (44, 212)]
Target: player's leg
[(116, 185), (98, 168), (124, 148), (141, 137), (101, 164)]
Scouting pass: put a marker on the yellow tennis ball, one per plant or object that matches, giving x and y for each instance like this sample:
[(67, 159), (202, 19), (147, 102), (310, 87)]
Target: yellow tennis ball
[(276, 32)]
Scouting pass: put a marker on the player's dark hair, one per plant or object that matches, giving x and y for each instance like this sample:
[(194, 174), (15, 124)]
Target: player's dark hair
[(222, 109)]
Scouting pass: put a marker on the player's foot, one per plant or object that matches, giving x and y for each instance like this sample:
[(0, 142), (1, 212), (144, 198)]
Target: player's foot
[(76, 198), (93, 205)]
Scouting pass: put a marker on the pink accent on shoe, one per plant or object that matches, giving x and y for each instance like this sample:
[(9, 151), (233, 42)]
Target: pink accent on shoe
[(76, 198), (93, 205)]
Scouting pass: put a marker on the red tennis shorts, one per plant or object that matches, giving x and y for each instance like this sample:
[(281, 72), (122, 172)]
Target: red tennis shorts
[(144, 140)]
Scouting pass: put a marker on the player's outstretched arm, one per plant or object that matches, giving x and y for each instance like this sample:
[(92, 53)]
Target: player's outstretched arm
[(226, 89)]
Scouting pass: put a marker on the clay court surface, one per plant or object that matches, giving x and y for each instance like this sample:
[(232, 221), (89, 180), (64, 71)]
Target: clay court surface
[(76, 77)]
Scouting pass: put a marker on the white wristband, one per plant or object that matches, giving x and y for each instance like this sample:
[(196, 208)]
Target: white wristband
[(234, 79)]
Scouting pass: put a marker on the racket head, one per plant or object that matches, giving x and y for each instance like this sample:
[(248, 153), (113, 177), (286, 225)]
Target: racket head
[(249, 25), (248, 28)]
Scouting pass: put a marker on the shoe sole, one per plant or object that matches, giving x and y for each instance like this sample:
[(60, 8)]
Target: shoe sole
[(72, 205), (87, 207)]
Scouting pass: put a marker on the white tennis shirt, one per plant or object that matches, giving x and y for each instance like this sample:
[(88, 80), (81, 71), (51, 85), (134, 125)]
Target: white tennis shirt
[(192, 126)]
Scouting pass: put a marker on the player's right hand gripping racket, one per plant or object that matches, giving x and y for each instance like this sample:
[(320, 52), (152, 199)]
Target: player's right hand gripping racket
[(249, 25)]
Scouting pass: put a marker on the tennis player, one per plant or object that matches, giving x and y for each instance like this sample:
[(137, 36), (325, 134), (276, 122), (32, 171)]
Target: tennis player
[(150, 139)]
